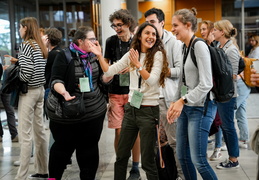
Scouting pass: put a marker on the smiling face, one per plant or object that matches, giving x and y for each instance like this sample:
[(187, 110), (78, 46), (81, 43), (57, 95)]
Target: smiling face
[(204, 31), (147, 38), (179, 29), (120, 28)]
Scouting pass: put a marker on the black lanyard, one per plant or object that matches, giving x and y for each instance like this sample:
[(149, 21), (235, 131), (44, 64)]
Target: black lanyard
[(140, 77), (139, 82), (120, 46), (185, 56)]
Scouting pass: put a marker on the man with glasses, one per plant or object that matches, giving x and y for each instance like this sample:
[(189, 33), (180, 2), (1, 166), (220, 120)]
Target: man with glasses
[(168, 94), (116, 46)]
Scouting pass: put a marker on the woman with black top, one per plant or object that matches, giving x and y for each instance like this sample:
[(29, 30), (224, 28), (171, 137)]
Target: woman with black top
[(74, 77)]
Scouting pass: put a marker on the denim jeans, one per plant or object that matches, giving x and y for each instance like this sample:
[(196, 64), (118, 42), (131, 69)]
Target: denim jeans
[(243, 92), (226, 113), (192, 140), (218, 138)]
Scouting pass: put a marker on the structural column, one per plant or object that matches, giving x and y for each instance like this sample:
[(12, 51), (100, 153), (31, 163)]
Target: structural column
[(132, 6), (107, 8)]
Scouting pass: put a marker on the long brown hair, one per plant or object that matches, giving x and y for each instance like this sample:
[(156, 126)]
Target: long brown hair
[(33, 33), (149, 60)]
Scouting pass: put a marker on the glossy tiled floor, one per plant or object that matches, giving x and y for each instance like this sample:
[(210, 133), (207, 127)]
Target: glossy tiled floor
[(9, 152)]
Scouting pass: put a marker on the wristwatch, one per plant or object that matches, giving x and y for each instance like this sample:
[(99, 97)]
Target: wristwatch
[(140, 68), (184, 100)]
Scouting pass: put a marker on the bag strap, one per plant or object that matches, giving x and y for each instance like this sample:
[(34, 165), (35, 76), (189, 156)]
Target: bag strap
[(192, 50), (195, 63), (162, 164), (67, 54)]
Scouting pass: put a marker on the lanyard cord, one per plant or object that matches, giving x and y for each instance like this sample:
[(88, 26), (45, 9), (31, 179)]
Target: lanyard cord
[(139, 82), (140, 77), (120, 46), (185, 56)]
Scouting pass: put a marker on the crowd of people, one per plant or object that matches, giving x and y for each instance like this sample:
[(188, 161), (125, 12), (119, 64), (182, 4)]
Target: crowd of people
[(149, 78)]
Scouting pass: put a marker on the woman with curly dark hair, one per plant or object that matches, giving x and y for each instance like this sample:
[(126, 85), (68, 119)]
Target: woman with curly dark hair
[(148, 68), (123, 23)]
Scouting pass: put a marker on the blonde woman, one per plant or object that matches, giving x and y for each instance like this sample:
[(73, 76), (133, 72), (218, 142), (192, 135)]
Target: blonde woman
[(224, 32)]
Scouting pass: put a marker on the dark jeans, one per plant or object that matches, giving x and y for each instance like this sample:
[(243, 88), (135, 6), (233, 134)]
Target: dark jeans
[(82, 137), (226, 113), (136, 121), (10, 114)]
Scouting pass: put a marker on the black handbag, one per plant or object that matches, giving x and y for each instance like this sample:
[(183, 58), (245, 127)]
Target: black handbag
[(73, 108)]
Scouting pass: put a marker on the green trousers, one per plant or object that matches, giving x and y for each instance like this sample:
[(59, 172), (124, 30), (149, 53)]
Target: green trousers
[(142, 121)]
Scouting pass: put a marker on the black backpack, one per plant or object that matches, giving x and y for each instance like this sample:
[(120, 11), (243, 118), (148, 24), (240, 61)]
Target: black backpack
[(222, 72)]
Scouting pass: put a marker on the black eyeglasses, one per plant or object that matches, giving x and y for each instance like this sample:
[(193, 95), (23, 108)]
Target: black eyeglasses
[(92, 39), (113, 26)]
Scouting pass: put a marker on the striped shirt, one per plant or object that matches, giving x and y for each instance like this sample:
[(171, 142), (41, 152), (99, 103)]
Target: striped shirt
[(32, 64)]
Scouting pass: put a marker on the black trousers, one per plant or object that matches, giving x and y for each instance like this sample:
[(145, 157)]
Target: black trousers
[(10, 114), (82, 137)]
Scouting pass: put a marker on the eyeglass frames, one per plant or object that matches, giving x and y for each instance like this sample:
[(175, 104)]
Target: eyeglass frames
[(113, 26), (92, 39)]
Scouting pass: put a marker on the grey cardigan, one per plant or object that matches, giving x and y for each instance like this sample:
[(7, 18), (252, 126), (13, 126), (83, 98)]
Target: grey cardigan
[(198, 79), (233, 55)]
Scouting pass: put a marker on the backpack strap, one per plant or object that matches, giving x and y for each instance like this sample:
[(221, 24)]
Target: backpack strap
[(192, 50), (195, 63), (67, 54)]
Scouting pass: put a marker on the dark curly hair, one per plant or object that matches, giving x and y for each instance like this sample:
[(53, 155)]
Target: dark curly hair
[(54, 36), (126, 17), (158, 46)]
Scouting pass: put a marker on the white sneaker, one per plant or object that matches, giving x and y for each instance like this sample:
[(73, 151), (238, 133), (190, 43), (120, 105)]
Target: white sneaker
[(17, 163), (224, 148), (216, 155), (242, 144)]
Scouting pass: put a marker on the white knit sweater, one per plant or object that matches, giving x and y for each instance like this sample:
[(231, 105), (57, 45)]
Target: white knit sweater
[(149, 87)]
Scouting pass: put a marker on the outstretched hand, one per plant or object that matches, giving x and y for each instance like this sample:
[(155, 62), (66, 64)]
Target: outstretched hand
[(13, 60), (67, 96)]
